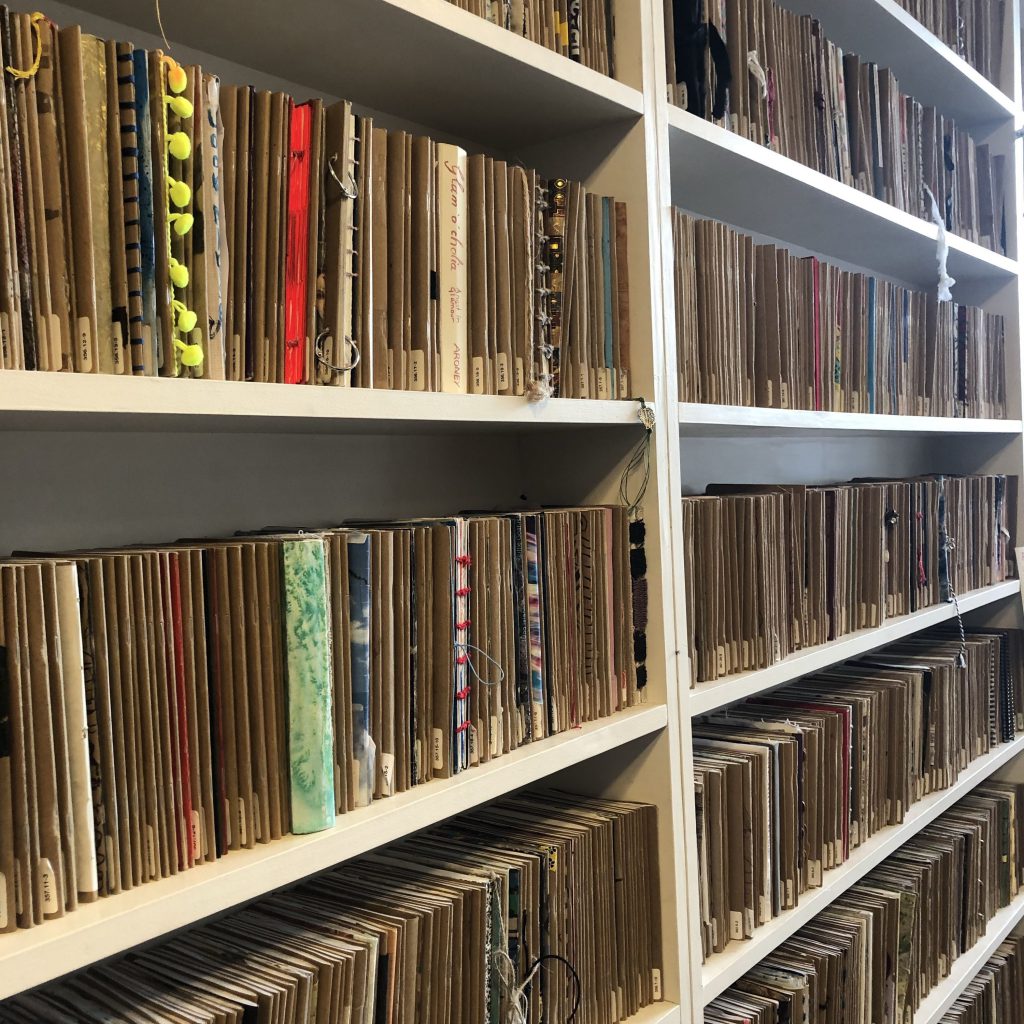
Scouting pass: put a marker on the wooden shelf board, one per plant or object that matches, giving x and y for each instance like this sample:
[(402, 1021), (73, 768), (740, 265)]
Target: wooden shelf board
[(657, 1013), (115, 924), (965, 967), (717, 173), (725, 968), (705, 420), (32, 400), (927, 69), (426, 61), (707, 697)]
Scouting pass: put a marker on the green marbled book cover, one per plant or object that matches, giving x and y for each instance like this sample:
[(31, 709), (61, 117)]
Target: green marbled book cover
[(310, 712)]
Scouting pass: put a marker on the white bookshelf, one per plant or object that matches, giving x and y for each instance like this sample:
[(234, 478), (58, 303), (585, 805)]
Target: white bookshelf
[(101, 461), (712, 172)]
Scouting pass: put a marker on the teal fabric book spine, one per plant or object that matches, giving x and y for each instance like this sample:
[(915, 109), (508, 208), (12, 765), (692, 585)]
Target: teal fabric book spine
[(310, 710)]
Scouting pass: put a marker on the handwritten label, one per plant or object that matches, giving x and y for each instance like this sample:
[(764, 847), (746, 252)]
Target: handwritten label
[(243, 835), (84, 343), (477, 366), (417, 372), (537, 719), (520, 376), (503, 376), (735, 924), (438, 758), (51, 902), (387, 771), (197, 836), (474, 753), (623, 384)]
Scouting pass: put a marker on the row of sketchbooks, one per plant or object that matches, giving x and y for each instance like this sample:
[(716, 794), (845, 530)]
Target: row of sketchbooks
[(154, 221), (164, 706), (542, 907)]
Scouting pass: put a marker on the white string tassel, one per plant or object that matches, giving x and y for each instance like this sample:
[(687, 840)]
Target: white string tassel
[(942, 251), (754, 67)]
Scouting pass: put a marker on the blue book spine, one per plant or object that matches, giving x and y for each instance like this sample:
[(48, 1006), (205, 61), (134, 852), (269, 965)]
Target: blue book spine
[(147, 253), (359, 597)]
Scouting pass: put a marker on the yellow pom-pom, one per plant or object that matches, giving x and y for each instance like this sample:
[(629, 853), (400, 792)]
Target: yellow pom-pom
[(177, 80), (181, 106), (191, 355), (180, 192), (178, 274), (186, 321), (182, 223), (179, 146)]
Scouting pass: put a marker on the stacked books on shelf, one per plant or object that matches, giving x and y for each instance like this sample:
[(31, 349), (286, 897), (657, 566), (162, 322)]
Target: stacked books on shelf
[(163, 706), (543, 907), (582, 30), (773, 77), (155, 222), (973, 29), (776, 568), (789, 785), (886, 943), (757, 325), (995, 993)]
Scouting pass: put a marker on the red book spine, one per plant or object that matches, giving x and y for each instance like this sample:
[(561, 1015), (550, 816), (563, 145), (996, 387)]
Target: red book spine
[(297, 254)]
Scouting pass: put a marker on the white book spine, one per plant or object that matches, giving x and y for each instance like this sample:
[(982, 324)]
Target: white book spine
[(452, 267)]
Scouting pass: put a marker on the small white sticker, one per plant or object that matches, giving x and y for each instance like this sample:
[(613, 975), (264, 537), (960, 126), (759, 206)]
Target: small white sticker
[(51, 903), (814, 872), (474, 749), (197, 836), (520, 378), (438, 759), (537, 719), (503, 380), (764, 909), (387, 770), (495, 737), (477, 367), (243, 835), (735, 924), (656, 984), (416, 370)]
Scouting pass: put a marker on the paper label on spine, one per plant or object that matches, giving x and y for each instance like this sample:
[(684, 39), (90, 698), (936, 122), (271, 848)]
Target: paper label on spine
[(474, 752), (504, 384), (417, 381), (243, 835), (495, 738), (656, 984), (735, 924), (520, 377), (537, 719), (116, 353), (387, 770), (604, 383), (789, 891), (51, 902), (84, 344), (623, 384), (55, 347), (197, 836), (814, 872), (438, 750), (5, 339), (478, 375), (4, 912)]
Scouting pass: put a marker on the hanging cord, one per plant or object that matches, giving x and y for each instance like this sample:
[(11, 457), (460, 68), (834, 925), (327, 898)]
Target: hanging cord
[(950, 546), (160, 25), (942, 250), (465, 648), (639, 461)]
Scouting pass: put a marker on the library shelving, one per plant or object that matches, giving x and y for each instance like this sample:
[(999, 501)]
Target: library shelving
[(99, 461)]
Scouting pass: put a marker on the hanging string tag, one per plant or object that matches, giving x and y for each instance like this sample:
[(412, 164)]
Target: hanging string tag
[(30, 72), (639, 462), (942, 250)]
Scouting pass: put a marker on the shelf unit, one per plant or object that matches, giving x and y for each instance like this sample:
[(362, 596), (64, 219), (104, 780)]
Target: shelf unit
[(146, 460), (712, 172)]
